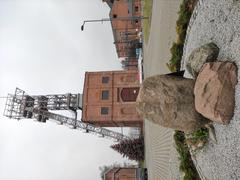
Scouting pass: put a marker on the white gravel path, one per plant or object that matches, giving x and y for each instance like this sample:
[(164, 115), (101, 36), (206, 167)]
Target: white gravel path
[(218, 21)]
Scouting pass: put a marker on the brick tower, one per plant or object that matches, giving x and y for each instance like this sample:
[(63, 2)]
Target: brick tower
[(109, 99)]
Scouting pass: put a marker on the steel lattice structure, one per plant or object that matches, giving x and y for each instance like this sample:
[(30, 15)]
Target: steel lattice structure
[(20, 105)]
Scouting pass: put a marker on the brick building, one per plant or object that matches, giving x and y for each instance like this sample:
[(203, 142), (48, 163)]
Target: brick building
[(109, 98), (119, 173), (126, 24), (130, 64)]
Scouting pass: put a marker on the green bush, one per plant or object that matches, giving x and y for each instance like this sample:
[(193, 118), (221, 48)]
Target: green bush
[(184, 13), (186, 163), (201, 134), (197, 139), (181, 29), (176, 51)]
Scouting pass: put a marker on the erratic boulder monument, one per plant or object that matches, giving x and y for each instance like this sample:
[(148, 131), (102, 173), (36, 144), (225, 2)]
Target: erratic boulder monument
[(199, 56), (215, 91), (169, 101)]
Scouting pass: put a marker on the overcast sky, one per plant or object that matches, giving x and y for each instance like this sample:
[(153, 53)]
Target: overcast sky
[(43, 51)]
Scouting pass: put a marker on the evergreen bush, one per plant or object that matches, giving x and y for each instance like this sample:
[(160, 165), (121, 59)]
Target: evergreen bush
[(133, 149)]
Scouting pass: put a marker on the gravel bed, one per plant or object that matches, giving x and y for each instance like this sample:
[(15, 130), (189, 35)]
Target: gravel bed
[(218, 21)]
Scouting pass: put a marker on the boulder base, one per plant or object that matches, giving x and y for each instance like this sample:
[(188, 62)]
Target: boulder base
[(215, 91), (206, 53), (169, 102)]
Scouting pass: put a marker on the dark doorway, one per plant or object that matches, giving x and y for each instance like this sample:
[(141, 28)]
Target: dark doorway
[(129, 94)]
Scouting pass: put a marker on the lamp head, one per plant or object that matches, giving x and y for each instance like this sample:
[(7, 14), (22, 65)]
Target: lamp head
[(82, 27)]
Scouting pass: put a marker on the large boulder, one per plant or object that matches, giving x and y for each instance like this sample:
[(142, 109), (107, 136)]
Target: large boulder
[(169, 101), (215, 91), (206, 53)]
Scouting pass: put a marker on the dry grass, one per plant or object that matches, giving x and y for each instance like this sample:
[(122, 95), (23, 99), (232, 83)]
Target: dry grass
[(147, 12)]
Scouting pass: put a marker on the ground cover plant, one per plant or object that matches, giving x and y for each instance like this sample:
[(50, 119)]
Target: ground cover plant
[(185, 12), (186, 163), (199, 138)]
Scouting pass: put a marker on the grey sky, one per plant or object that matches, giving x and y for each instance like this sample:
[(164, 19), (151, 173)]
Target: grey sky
[(43, 51)]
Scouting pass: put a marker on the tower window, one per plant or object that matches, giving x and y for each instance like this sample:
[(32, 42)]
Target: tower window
[(136, 21), (104, 110), (136, 8), (105, 80), (114, 16), (105, 95)]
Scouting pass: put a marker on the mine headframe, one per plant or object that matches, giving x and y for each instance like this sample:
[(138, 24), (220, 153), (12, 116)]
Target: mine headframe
[(18, 104), (21, 106)]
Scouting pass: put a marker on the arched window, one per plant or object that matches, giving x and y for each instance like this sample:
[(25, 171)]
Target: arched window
[(129, 94), (136, 8)]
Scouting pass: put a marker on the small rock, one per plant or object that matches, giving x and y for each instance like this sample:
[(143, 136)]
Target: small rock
[(194, 148), (169, 101), (211, 132), (215, 91), (200, 144), (206, 53)]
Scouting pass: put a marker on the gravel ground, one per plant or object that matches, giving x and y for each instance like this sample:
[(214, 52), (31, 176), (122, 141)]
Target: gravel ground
[(218, 21)]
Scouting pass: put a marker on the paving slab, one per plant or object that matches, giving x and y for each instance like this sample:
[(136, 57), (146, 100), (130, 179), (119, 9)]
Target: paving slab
[(161, 157)]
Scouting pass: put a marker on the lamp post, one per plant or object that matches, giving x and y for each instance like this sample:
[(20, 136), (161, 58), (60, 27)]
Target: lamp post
[(113, 19)]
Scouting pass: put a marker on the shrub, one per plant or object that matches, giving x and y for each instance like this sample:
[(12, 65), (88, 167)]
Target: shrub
[(197, 139), (186, 163), (185, 12), (176, 52)]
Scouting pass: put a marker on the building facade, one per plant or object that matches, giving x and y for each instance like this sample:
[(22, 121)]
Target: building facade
[(109, 99), (125, 18), (121, 174), (126, 173), (130, 64)]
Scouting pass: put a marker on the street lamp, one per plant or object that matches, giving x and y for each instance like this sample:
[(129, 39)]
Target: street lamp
[(113, 19)]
